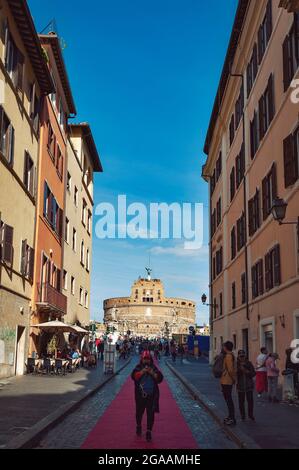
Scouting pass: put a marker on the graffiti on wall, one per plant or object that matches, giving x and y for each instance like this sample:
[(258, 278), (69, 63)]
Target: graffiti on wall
[(7, 345)]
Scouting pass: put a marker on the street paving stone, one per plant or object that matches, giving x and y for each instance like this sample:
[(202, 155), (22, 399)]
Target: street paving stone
[(74, 429)]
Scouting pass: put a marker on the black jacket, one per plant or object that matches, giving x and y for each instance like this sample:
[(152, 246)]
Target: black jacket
[(245, 379), (138, 391)]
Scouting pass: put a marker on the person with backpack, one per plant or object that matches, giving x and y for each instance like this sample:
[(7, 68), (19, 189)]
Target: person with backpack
[(147, 377), (245, 384), (225, 368), (261, 383)]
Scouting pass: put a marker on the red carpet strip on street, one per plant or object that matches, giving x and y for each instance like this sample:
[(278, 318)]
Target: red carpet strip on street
[(116, 427)]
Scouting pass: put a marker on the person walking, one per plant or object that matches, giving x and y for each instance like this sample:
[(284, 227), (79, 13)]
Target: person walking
[(245, 384), (173, 351), (261, 383), (272, 376), (227, 381), (147, 377), (181, 352)]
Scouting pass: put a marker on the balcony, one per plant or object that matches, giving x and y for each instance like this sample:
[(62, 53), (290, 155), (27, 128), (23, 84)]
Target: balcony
[(50, 299)]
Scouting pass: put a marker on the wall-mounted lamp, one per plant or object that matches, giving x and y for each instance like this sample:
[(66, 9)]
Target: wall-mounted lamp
[(204, 301)]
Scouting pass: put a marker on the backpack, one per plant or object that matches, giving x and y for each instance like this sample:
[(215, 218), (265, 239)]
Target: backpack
[(218, 366)]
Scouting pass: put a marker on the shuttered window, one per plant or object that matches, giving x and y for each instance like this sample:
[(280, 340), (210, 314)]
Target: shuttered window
[(290, 52), (254, 213), (213, 182), (265, 32), (27, 261), (232, 129), (234, 300), (254, 135), (243, 288), (233, 243), (252, 70), (219, 261), (257, 274), (7, 136), (29, 174), (239, 108), (240, 166), (241, 232), (14, 61), (213, 222), (52, 211), (6, 243), (219, 166), (232, 184), (273, 268), (219, 213), (266, 108), (290, 157), (269, 191)]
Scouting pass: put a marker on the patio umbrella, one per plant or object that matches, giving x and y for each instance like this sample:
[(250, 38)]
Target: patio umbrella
[(55, 326), (80, 330)]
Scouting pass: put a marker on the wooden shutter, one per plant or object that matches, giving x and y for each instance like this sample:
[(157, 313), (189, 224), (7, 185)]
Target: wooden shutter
[(24, 258), (260, 45), (268, 271), (32, 101), (257, 221), (276, 265), (232, 184), (25, 169), (290, 161), (286, 58), (271, 94), (250, 217), (261, 117), (274, 183), (45, 199), (31, 264), (8, 244), (265, 195), (11, 147), (6, 45), (60, 224), (260, 277), (20, 70), (269, 20)]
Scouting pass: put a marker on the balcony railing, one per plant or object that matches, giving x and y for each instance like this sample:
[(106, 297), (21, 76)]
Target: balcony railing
[(51, 297)]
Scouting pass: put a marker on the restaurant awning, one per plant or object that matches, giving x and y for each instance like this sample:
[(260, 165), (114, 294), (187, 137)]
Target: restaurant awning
[(80, 330)]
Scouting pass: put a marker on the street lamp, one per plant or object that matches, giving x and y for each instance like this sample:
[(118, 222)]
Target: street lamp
[(204, 302), (278, 209)]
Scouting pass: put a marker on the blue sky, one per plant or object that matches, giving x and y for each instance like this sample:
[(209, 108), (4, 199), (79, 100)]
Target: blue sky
[(144, 74)]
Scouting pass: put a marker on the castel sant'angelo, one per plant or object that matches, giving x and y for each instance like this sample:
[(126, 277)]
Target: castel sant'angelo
[(147, 312)]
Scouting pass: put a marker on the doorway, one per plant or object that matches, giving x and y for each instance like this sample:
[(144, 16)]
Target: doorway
[(20, 352)]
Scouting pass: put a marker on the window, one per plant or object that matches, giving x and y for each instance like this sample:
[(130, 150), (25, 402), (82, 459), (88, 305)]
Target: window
[(219, 166), (60, 113), (214, 268), (265, 32), (86, 299), (87, 260), (52, 211), (84, 205), (82, 253), (14, 61), (239, 108), (51, 142), (257, 278), (273, 268), (233, 243), (7, 136), (34, 107), (241, 232), (234, 302), (213, 222), (69, 182), (72, 285), (64, 278), (220, 304), (76, 196), (243, 287), (269, 189), (252, 70), (290, 50), (235, 341), (6, 243), (213, 182), (219, 261), (240, 166), (29, 174), (59, 162), (232, 130), (81, 296), (254, 135), (291, 158), (27, 260), (214, 308), (254, 214), (67, 230), (89, 221), (74, 240), (232, 184), (266, 108), (219, 214)]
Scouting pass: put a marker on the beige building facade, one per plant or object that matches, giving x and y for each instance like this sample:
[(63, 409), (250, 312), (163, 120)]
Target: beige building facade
[(24, 80), (148, 312), (253, 159), (82, 162)]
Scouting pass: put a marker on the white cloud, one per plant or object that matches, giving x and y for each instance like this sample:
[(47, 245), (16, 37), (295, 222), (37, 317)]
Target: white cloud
[(180, 251)]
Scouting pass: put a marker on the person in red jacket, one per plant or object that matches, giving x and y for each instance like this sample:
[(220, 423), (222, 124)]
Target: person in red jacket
[(146, 377)]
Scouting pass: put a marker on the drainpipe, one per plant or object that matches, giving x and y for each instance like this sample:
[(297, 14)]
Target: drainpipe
[(244, 197)]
